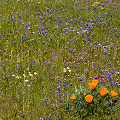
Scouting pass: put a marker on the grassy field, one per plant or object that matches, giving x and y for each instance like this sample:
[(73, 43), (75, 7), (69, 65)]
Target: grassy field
[(49, 46)]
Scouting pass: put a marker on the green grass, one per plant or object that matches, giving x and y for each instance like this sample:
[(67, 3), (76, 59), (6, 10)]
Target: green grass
[(26, 56)]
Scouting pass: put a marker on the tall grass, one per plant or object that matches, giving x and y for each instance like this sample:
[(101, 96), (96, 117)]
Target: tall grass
[(40, 39)]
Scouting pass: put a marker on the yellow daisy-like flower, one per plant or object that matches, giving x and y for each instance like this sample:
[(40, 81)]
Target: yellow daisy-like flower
[(35, 25), (101, 7)]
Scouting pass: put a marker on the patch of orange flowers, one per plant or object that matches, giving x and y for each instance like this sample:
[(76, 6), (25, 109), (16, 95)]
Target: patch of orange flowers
[(103, 92), (93, 84), (89, 98)]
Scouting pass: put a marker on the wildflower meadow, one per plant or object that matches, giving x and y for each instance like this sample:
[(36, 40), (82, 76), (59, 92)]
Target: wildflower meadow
[(59, 60)]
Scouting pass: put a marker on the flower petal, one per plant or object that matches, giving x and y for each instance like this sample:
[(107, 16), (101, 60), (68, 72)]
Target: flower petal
[(73, 97), (103, 91), (113, 93), (89, 98)]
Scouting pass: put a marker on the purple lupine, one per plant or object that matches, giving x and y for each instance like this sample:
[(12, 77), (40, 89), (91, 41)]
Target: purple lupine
[(66, 33), (57, 92), (0, 52), (53, 67), (103, 24), (19, 86), (12, 75), (71, 84), (109, 76), (71, 49), (113, 7), (43, 43), (58, 78), (115, 29), (71, 7), (65, 81), (117, 45), (64, 87), (45, 100), (108, 86), (105, 52), (52, 73), (71, 21), (49, 117), (41, 119), (109, 63), (58, 88), (47, 9), (2, 94)]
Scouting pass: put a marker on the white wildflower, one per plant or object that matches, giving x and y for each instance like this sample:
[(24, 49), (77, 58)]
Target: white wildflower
[(35, 73), (30, 74), (64, 70), (69, 70), (26, 80)]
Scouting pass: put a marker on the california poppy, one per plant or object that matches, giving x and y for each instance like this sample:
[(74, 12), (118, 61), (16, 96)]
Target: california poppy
[(89, 98), (95, 81), (73, 97), (103, 91), (92, 86), (113, 93)]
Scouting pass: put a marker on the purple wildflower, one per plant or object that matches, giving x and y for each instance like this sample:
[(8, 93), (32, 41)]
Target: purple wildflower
[(58, 88), (95, 77)]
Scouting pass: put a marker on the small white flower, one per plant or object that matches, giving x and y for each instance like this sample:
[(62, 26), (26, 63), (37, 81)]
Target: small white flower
[(68, 68), (18, 77), (35, 73), (64, 70), (26, 80), (85, 31), (117, 72), (24, 75), (13, 75), (30, 74), (28, 85)]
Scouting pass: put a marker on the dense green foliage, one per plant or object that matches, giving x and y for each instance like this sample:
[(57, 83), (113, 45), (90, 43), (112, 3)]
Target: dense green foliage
[(100, 106)]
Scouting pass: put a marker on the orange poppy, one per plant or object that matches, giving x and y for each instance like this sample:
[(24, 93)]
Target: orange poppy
[(103, 91), (95, 81), (113, 93), (89, 98), (73, 97), (92, 86)]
